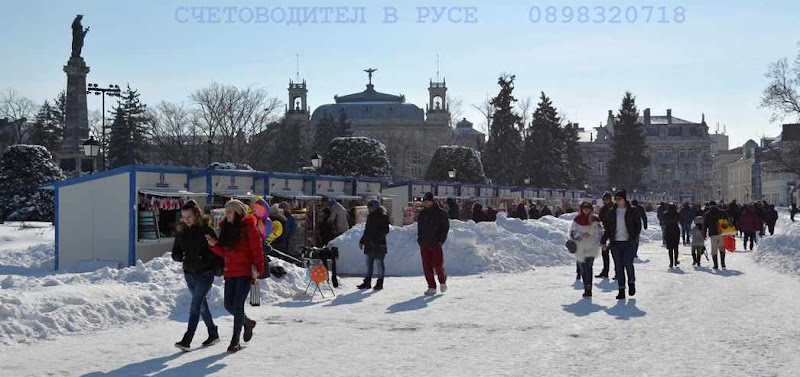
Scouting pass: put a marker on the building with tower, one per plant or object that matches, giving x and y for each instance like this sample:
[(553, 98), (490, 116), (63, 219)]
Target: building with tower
[(411, 134)]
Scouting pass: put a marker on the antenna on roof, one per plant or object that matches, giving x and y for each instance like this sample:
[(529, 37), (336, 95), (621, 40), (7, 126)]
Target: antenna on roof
[(297, 66), (717, 131), (437, 67), (725, 129)]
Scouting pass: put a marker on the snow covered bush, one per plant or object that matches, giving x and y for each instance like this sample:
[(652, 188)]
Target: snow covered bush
[(466, 161), (229, 166), (22, 169), (356, 156)]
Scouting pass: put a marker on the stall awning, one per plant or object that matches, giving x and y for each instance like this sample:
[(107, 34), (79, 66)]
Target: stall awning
[(342, 196), (241, 195), (173, 193), (294, 195)]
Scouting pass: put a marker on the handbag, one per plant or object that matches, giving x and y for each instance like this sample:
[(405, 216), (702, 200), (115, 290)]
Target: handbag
[(572, 247), (730, 243), (255, 293)]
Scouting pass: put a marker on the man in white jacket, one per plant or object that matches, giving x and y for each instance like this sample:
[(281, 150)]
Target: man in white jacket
[(338, 218)]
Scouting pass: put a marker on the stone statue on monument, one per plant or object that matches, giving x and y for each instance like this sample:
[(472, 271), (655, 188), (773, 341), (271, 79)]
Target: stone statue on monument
[(78, 34)]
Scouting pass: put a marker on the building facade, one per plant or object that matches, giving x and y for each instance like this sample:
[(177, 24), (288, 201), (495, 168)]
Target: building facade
[(465, 135), (678, 150), (410, 134)]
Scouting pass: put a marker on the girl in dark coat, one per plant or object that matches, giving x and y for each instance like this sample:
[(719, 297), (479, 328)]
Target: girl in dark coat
[(672, 233), (749, 224), (199, 268), (373, 242)]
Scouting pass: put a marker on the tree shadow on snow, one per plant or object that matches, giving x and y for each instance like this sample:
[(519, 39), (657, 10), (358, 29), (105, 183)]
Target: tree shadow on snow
[(199, 367), (625, 310), (416, 303), (351, 298), (583, 307)]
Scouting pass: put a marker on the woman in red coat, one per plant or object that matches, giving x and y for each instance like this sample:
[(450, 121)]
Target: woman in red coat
[(240, 244)]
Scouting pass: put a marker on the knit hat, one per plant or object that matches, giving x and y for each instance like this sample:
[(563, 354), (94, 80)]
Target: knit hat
[(374, 204), (428, 197), (237, 206), (621, 194), (607, 194), (698, 220)]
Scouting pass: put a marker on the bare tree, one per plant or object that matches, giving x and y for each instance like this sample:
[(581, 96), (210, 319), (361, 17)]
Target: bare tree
[(781, 95), (175, 136), (231, 116), (14, 107), (487, 109), (525, 107), (454, 104)]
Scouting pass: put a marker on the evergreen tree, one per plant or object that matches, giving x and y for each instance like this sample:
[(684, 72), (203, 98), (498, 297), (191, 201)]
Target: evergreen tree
[(577, 170), (466, 162), (23, 168), (285, 150), (503, 150), (324, 132), (628, 147), (356, 156), (545, 147), (47, 130), (344, 127), (127, 142)]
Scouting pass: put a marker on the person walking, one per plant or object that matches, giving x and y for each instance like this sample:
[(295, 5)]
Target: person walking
[(199, 268), (772, 219), (660, 211), (338, 219), (240, 245), (608, 204), (672, 233), (622, 227), (432, 228), (792, 211), (586, 231), (749, 224), (373, 242), (452, 209), (281, 242), (711, 227), (687, 218), (698, 241), (643, 215)]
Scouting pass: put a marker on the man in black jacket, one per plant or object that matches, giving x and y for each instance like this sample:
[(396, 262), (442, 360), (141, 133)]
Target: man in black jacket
[(373, 242), (607, 205), (432, 228), (622, 224)]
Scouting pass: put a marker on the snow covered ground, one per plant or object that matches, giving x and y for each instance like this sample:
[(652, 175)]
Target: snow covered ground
[(683, 322)]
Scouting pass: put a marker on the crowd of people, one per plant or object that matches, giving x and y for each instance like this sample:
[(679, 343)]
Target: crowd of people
[(612, 232)]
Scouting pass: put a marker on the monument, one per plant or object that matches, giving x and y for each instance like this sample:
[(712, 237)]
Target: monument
[(76, 127)]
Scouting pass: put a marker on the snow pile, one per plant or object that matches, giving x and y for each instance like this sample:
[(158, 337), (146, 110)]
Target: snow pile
[(507, 245), (24, 247), (40, 306), (781, 251)]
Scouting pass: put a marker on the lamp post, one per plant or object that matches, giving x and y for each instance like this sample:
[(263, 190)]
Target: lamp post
[(111, 91), (316, 161), (91, 148), (527, 180), (451, 173)]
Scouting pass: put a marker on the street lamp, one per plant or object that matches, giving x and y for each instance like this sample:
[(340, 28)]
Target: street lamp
[(111, 91), (527, 179), (91, 148), (452, 173), (316, 161)]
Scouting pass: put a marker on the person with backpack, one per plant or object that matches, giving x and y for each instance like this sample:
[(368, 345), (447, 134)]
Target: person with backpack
[(240, 244), (672, 233), (432, 228), (698, 241), (373, 242), (200, 265), (711, 225), (585, 231), (623, 226)]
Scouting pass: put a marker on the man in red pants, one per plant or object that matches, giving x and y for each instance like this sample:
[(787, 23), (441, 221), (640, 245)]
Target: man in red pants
[(433, 224)]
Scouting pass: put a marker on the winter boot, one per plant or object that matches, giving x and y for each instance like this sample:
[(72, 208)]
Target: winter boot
[(587, 292), (677, 262), (213, 337), (714, 258), (722, 259), (235, 346), (631, 288), (430, 292), (367, 284), (249, 324), (578, 277), (185, 344), (621, 295), (442, 287), (378, 285)]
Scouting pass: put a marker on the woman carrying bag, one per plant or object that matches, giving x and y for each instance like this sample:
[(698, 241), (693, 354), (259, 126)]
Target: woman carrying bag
[(240, 245), (374, 243), (585, 231)]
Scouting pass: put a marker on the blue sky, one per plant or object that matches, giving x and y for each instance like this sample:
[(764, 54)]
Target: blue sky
[(711, 63)]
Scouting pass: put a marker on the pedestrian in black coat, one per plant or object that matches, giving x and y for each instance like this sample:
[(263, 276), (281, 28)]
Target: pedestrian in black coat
[(477, 213), (670, 222), (533, 213), (452, 209), (373, 242)]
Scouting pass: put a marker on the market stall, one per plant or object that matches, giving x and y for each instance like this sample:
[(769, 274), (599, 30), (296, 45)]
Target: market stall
[(408, 201)]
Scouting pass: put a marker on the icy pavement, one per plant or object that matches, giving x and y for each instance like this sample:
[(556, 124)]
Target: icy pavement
[(685, 322)]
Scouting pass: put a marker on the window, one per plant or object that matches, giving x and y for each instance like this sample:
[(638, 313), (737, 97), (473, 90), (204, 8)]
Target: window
[(601, 167), (674, 131)]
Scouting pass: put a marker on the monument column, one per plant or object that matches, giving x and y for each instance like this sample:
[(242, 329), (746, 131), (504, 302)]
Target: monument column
[(76, 125)]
